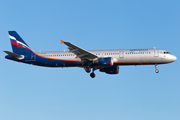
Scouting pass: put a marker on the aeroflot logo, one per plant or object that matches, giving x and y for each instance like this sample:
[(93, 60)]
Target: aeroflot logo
[(138, 50), (16, 42)]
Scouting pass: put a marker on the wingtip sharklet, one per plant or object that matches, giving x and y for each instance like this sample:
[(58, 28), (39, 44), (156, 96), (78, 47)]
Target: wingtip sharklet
[(62, 41)]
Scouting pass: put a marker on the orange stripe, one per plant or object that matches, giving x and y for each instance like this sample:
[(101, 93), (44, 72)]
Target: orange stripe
[(57, 58)]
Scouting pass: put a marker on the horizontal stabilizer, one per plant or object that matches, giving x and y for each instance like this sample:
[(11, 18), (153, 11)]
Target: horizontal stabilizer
[(14, 55)]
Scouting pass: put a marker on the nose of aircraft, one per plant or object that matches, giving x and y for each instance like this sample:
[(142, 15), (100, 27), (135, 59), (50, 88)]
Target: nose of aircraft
[(173, 58)]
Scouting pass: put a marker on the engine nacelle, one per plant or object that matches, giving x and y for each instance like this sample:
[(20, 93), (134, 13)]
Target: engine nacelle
[(107, 61), (110, 70)]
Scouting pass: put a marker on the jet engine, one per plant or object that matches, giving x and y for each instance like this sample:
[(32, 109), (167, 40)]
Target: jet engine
[(107, 61), (110, 70)]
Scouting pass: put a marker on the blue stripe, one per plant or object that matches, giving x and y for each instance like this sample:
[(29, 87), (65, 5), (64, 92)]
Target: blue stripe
[(13, 40)]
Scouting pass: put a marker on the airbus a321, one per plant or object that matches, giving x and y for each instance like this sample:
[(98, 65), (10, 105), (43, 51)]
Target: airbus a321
[(107, 61)]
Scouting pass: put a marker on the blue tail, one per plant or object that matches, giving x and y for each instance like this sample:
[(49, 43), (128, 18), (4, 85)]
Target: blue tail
[(18, 44)]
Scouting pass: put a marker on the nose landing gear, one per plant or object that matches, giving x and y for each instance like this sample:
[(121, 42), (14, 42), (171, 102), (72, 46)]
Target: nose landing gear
[(157, 71)]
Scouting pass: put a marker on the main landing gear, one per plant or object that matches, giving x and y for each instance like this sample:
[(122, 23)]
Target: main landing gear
[(157, 71), (92, 75), (88, 70)]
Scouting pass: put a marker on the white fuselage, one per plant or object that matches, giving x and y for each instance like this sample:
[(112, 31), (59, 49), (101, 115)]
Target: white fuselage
[(120, 57)]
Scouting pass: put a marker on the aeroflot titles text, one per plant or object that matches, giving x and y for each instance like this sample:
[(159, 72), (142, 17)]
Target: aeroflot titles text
[(138, 50)]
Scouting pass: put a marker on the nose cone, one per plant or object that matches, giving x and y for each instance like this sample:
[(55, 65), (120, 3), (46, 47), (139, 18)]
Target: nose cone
[(173, 58)]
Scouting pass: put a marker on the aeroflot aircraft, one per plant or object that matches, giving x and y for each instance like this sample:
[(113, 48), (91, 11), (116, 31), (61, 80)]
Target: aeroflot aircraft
[(107, 61)]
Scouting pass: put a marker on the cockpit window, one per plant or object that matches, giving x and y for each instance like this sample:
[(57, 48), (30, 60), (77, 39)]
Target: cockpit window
[(167, 53)]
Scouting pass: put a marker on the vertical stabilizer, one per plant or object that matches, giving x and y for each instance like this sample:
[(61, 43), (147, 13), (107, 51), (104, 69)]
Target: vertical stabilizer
[(18, 44)]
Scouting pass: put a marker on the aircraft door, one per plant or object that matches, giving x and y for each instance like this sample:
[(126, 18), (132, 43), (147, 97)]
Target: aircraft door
[(33, 57), (121, 54), (156, 53)]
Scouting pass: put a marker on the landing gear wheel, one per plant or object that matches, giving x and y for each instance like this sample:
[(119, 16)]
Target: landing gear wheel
[(92, 75), (157, 71)]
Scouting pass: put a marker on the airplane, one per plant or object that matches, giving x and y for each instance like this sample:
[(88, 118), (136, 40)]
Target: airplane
[(107, 61)]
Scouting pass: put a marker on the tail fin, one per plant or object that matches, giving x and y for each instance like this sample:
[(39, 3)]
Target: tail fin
[(18, 44)]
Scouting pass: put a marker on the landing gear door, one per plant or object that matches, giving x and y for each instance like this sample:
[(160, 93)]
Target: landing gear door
[(121, 54), (156, 52)]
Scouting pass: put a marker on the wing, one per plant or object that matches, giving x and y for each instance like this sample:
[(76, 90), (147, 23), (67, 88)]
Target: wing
[(84, 55)]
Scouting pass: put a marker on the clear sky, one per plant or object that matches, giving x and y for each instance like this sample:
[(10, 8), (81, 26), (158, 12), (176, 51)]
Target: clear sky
[(136, 93)]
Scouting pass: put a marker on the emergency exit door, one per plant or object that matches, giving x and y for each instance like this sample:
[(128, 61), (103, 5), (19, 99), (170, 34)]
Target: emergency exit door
[(121, 54), (33, 57), (156, 53)]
